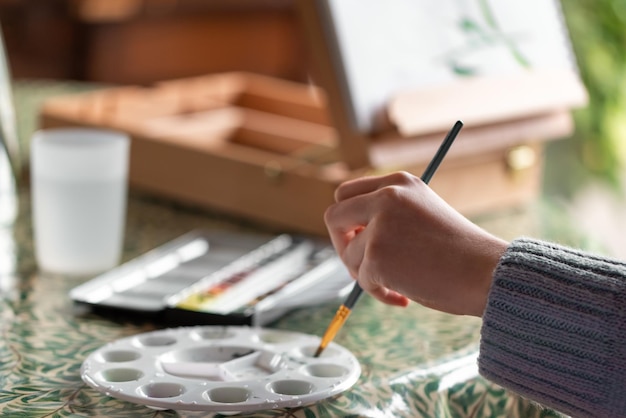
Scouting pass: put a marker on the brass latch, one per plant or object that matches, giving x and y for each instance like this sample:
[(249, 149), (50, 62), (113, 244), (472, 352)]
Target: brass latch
[(520, 159)]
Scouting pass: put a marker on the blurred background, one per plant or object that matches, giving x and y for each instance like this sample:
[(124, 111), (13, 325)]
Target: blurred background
[(142, 41)]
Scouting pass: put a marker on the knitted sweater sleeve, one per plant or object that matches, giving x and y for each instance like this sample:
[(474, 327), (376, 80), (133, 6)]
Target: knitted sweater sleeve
[(554, 329)]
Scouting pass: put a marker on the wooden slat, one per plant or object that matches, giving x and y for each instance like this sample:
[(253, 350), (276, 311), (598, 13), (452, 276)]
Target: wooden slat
[(486, 100)]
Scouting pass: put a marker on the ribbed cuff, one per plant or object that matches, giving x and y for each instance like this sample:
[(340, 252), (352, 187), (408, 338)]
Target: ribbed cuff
[(554, 329)]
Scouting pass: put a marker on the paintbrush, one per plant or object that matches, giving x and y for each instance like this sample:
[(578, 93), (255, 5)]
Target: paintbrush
[(344, 310)]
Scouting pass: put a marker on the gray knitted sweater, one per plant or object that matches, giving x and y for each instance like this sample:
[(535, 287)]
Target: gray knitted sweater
[(554, 329)]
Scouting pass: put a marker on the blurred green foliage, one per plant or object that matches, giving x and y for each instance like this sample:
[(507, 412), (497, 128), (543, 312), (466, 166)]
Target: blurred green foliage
[(598, 33)]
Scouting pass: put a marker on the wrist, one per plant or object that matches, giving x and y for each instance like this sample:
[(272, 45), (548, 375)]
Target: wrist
[(492, 255)]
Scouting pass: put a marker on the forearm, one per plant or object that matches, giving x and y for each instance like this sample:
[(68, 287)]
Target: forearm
[(554, 329)]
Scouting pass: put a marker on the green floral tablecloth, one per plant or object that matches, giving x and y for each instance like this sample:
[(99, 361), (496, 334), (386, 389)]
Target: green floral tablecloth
[(415, 362)]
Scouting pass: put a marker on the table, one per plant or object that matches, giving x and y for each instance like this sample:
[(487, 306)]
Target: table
[(415, 362)]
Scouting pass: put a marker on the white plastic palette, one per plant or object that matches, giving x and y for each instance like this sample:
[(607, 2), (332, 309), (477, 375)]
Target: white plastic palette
[(221, 369)]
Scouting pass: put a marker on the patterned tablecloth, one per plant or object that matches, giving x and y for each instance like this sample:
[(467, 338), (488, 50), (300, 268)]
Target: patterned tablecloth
[(415, 362)]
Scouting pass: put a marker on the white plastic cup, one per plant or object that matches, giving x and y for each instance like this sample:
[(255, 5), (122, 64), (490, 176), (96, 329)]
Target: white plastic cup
[(79, 186)]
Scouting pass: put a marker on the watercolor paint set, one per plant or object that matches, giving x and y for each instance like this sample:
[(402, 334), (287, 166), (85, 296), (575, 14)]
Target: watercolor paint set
[(220, 278)]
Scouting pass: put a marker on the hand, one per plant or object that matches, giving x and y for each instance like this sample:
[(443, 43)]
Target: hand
[(401, 241)]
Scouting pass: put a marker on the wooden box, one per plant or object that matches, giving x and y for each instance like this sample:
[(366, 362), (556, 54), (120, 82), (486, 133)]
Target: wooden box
[(266, 149)]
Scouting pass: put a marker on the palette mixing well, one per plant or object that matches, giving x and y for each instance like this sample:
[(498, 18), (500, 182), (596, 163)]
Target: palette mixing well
[(222, 369)]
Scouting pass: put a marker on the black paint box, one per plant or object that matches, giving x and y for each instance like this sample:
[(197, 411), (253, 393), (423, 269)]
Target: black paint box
[(219, 278)]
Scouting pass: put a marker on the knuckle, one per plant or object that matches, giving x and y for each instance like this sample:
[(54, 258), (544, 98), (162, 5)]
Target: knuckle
[(403, 178), (391, 194)]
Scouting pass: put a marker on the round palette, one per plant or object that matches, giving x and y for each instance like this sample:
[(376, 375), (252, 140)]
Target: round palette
[(221, 369)]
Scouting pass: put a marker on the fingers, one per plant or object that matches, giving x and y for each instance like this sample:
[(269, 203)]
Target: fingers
[(346, 220), (352, 254), (352, 210), (352, 257), (390, 297), (366, 185)]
